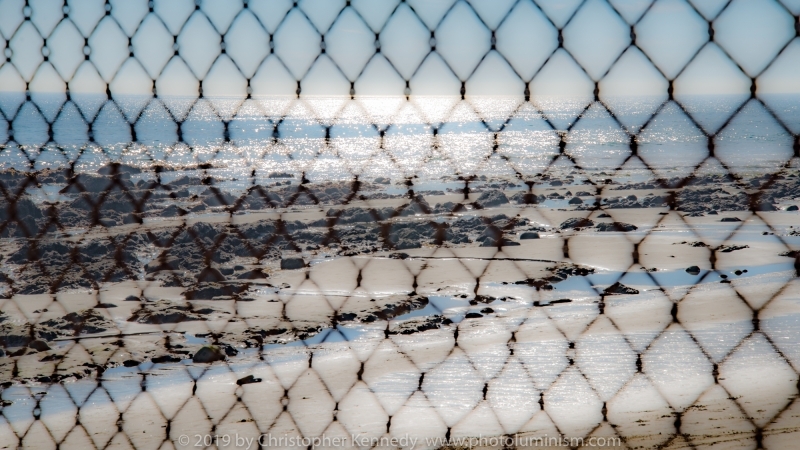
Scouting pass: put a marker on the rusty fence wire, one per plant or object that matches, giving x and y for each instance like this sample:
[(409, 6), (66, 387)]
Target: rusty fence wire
[(255, 217)]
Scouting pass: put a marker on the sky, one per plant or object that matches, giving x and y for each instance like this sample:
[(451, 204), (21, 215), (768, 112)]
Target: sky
[(388, 47)]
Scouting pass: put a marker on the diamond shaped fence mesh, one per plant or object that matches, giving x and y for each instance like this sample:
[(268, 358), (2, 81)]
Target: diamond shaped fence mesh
[(266, 223)]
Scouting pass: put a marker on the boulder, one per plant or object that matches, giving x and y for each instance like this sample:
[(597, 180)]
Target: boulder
[(208, 355), (619, 289), (489, 199), (615, 226), (292, 263), (39, 345), (576, 222)]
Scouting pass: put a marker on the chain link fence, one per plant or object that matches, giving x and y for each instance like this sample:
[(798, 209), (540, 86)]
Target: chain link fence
[(387, 219)]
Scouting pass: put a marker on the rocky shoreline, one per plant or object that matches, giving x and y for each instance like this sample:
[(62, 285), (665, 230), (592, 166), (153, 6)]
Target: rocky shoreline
[(211, 248)]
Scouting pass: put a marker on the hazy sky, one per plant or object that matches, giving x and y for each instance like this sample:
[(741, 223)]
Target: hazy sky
[(275, 45)]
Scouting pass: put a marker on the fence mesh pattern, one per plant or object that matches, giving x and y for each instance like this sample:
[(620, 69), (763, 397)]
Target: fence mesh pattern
[(388, 218)]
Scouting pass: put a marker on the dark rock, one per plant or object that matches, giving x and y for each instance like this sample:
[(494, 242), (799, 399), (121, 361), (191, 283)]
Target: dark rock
[(619, 289), (405, 237), (186, 181), (418, 205), (26, 212), (418, 326), (575, 201), (529, 235), (382, 180), (248, 380), (351, 215), (482, 299), (212, 291), (615, 226), (86, 183), (576, 222), (84, 322), (120, 169), (292, 263), (526, 198), (347, 317), (280, 175), (210, 275), (473, 315), (161, 313), (731, 248), (218, 198), (731, 219), (489, 241), (693, 270), (39, 345), (159, 264), (765, 206), (254, 274), (164, 359), (792, 208), (491, 232), (561, 300), (492, 198), (208, 355), (130, 363), (445, 207), (172, 211)]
